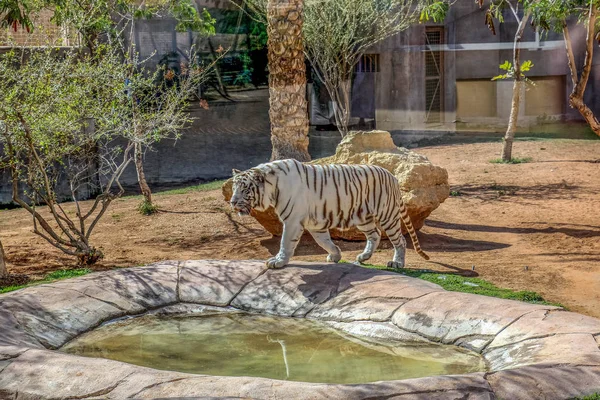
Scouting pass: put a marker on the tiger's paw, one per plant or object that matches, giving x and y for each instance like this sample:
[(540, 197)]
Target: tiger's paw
[(334, 258), (395, 265), (275, 262), (362, 257)]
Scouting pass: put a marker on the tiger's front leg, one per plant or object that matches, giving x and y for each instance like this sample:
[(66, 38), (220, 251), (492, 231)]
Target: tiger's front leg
[(323, 239), (292, 232)]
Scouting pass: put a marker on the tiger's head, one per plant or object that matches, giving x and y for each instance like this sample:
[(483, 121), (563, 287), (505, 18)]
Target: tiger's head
[(248, 191)]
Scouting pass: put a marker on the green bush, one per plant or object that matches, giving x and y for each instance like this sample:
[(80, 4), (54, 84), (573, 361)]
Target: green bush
[(147, 208)]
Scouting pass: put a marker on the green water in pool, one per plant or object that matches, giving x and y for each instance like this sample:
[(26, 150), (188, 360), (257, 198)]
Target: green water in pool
[(237, 344)]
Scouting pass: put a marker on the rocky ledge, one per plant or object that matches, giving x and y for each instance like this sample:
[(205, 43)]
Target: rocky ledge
[(532, 351)]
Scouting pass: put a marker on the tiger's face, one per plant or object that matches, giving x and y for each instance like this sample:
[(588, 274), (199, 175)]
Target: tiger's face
[(247, 190)]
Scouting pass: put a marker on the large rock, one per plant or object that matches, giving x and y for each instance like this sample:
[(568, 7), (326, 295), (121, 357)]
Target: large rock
[(424, 185)]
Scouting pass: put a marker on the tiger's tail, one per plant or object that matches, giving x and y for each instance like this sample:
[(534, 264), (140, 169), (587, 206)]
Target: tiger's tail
[(411, 230)]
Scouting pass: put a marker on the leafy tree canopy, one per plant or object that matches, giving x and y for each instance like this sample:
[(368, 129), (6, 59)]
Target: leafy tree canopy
[(551, 15), (92, 18), (14, 13)]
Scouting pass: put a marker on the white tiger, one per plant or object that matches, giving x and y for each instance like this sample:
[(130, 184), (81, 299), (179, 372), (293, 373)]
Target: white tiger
[(320, 197)]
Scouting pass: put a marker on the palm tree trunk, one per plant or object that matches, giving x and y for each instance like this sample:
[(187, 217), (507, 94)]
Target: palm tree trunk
[(509, 137), (287, 80), (3, 270), (139, 167)]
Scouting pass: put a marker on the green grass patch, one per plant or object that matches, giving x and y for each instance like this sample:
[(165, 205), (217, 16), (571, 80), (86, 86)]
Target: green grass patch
[(51, 277), (66, 273), (549, 130), (455, 193), (7, 289), (595, 396), (203, 187), (458, 283), (515, 160)]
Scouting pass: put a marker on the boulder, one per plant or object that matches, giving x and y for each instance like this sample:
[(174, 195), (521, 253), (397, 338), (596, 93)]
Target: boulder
[(424, 185)]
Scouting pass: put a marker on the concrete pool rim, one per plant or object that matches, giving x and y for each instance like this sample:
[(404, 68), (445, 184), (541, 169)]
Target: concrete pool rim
[(533, 351)]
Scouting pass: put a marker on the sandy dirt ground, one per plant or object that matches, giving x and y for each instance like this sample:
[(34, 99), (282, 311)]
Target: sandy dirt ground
[(533, 226)]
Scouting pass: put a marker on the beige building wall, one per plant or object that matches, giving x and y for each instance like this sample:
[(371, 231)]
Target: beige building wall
[(476, 99), (546, 97), (486, 102)]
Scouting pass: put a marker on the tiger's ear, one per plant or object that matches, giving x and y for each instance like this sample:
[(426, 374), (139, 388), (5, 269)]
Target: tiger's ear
[(235, 171)]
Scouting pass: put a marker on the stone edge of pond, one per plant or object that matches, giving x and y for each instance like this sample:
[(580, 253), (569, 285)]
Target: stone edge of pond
[(533, 351)]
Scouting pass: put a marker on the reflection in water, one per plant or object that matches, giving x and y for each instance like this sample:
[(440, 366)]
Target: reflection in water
[(282, 343), (235, 344)]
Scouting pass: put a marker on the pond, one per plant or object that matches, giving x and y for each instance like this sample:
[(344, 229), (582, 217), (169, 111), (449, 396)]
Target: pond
[(238, 344)]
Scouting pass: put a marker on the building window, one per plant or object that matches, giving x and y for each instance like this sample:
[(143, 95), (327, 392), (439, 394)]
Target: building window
[(368, 63), (434, 74)]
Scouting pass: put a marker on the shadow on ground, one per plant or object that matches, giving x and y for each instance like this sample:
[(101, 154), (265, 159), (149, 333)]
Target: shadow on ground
[(561, 228)]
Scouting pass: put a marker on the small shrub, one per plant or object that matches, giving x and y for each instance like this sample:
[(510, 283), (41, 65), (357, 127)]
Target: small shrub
[(455, 193), (90, 257), (147, 208)]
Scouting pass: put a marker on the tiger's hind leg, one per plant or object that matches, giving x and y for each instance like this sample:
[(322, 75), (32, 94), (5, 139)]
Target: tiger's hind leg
[(324, 240), (393, 229), (373, 238)]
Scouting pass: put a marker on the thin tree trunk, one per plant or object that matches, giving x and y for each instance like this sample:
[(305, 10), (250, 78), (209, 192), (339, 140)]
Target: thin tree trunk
[(3, 270), (95, 179), (287, 80), (342, 107), (139, 167), (511, 130), (579, 84)]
